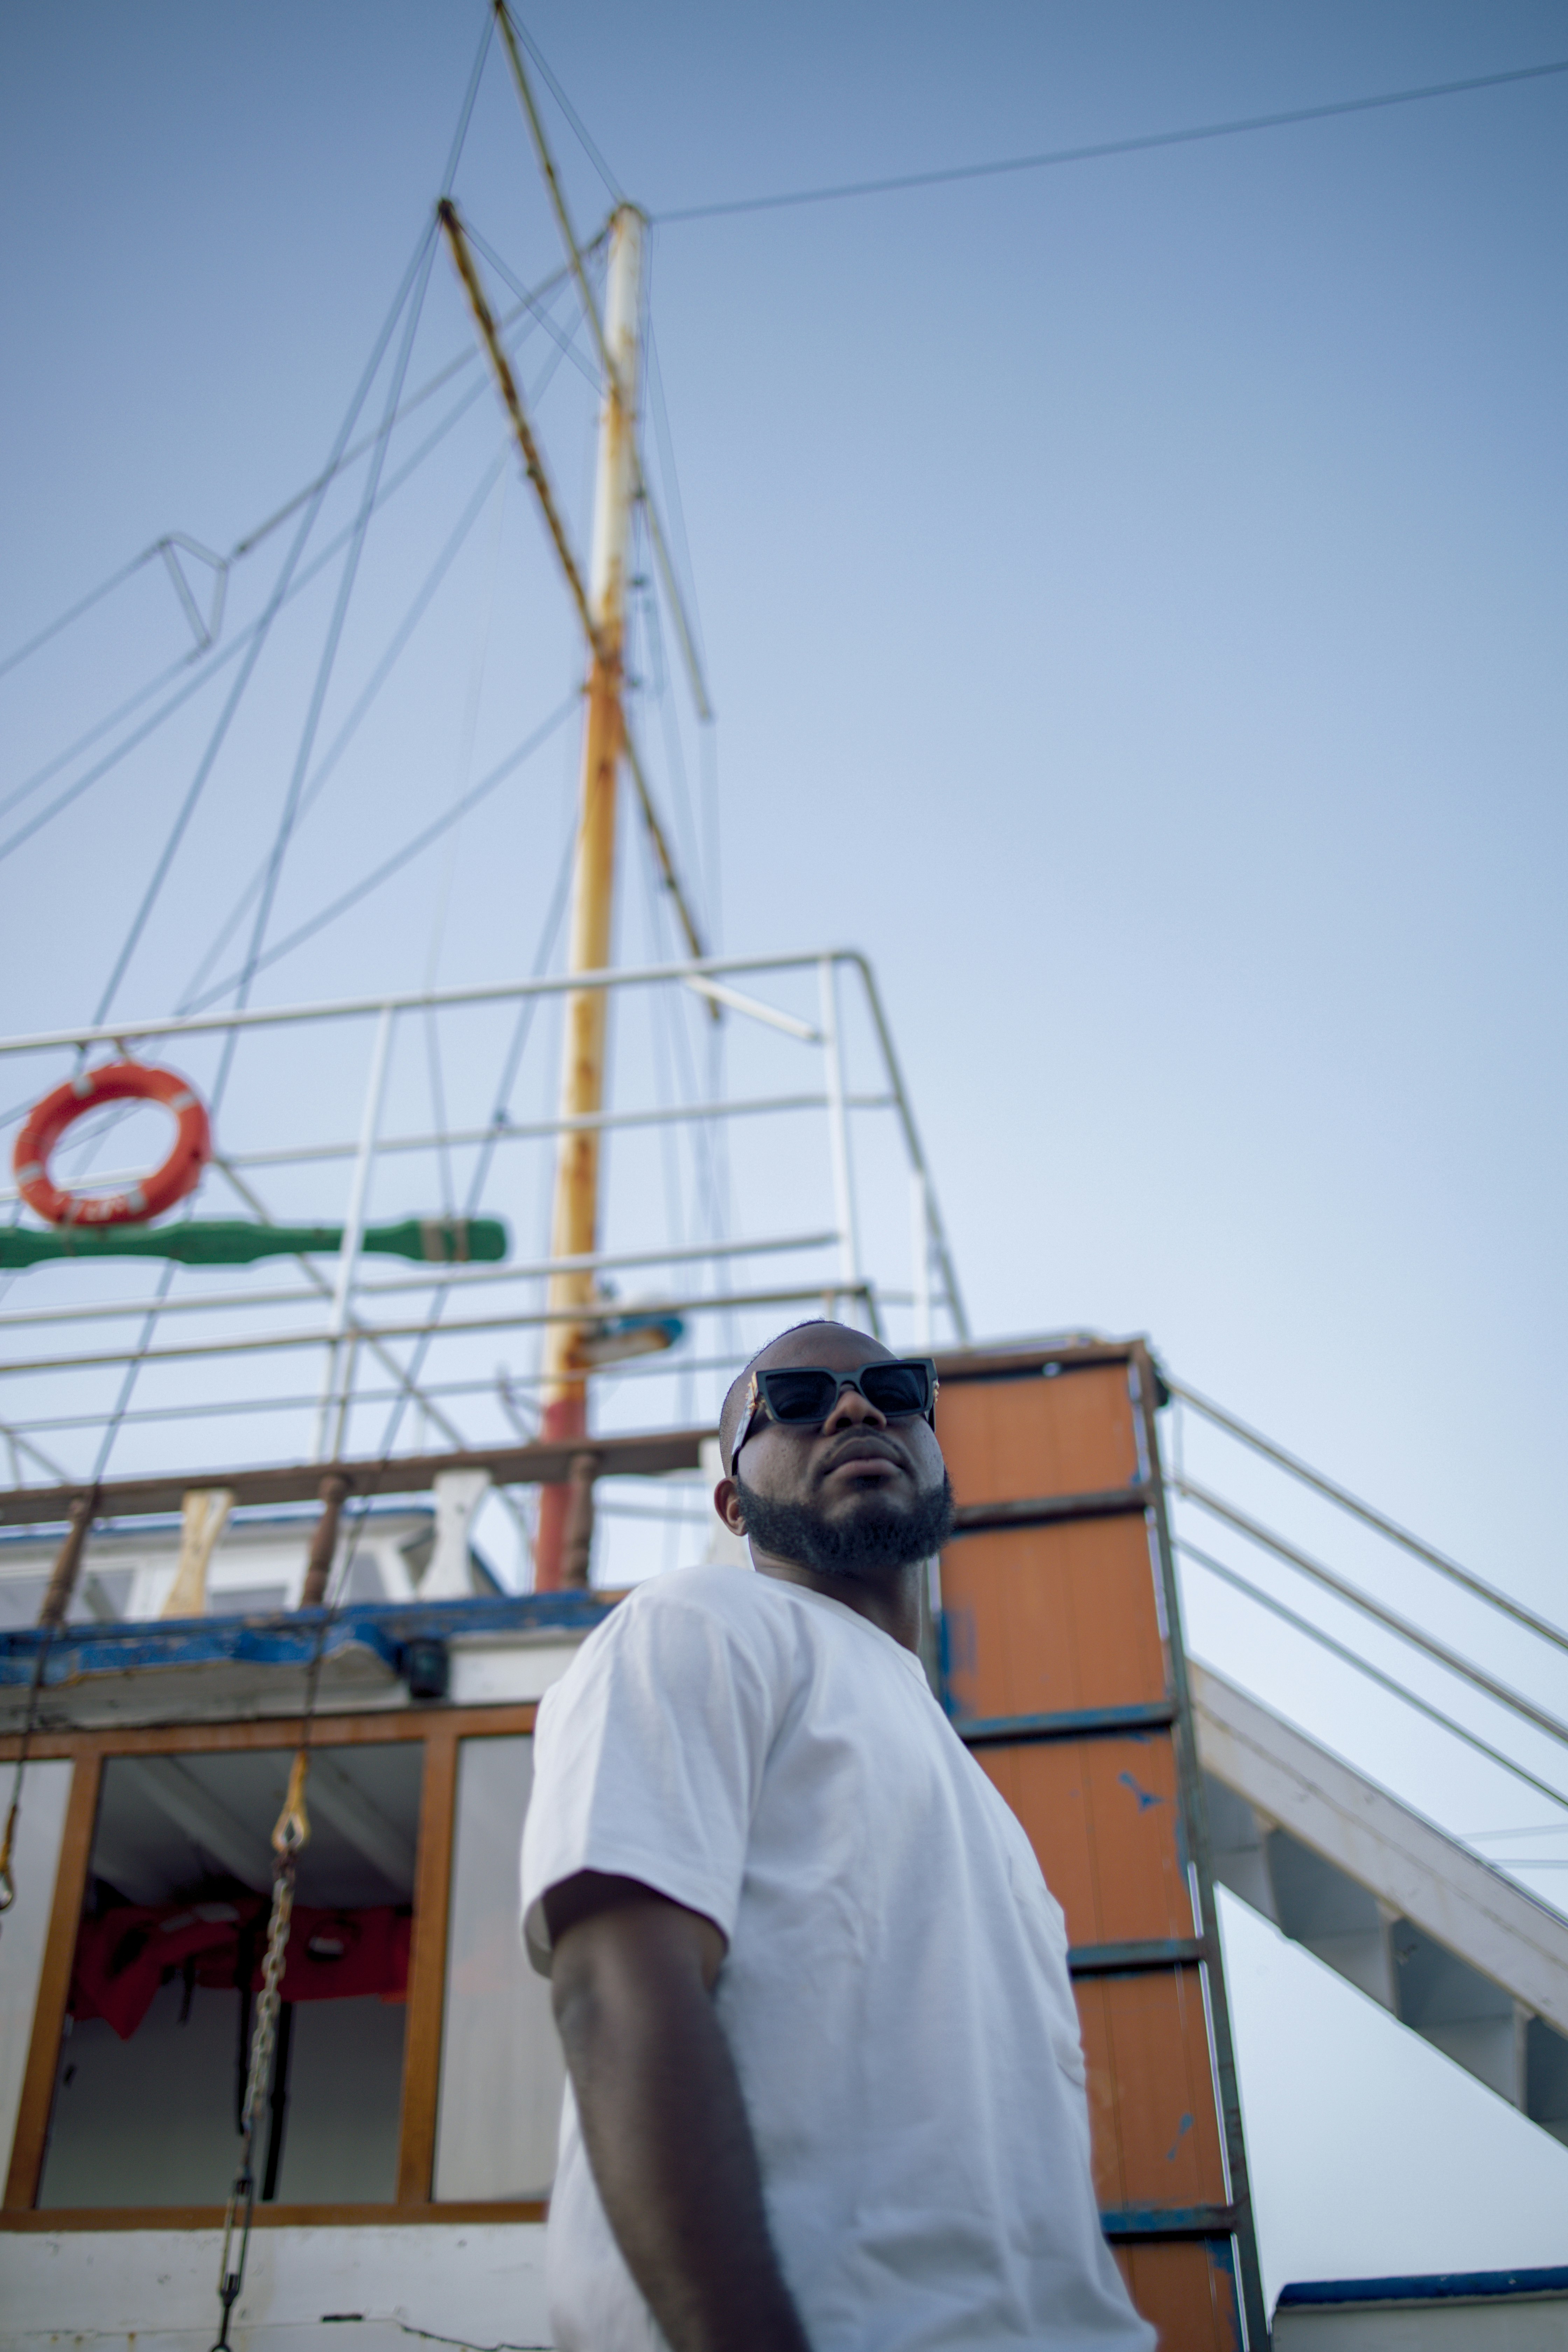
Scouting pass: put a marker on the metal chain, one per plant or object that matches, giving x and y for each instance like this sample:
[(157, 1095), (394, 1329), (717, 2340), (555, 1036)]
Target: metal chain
[(292, 1831)]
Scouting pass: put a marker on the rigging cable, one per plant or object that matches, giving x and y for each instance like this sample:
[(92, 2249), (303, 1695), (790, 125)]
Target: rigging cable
[(383, 670), (897, 184), (568, 341), (411, 293), (94, 597), (264, 530), (617, 191), (132, 1370), (400, 857), (554, 916), (192, 999), (293, 1824), (102, 727), (209, 757), (324, 669), (479, 663), (303, 579)]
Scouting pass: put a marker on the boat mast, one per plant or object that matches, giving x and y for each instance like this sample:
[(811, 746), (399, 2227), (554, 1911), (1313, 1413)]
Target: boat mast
[(574, 1226)]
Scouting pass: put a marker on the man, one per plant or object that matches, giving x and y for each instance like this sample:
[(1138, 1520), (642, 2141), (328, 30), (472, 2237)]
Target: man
[(826, 2087)]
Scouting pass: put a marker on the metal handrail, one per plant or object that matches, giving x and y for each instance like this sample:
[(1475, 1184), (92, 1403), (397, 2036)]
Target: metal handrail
[(347, 1328), (458, 1139), (714, 1303), (418, 1000), (1363, 1666), (1516, 1703), (1366, 1513)]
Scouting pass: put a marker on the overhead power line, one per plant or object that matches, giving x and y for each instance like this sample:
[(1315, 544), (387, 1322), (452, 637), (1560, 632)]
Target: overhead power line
[(898, 183)]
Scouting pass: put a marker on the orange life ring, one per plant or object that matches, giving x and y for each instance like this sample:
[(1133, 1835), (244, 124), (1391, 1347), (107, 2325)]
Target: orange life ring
[(112, 1082)]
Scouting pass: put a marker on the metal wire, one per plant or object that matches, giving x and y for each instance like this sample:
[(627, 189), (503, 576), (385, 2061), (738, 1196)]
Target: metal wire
[(215, 740), (899, 183)]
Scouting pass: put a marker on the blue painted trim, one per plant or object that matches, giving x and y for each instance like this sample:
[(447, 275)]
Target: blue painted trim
[(1135, 1959), (1168, 2220), (1443, 2286), (1076, 1723), (80, 1652)]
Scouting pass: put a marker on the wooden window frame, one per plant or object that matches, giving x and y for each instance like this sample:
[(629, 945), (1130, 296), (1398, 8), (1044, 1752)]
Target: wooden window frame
[(439, 1730)]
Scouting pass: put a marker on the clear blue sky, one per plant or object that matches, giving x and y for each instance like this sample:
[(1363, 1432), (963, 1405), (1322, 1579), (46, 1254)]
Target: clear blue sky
[(1134, 593)]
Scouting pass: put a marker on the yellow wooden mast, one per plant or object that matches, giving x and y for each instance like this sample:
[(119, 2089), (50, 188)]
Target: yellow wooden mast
[(575, 1224)]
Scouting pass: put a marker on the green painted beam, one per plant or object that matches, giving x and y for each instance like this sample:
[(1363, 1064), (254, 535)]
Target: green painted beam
[(219, 1241)]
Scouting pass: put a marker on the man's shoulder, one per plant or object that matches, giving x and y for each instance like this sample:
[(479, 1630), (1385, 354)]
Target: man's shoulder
[(678, 1633), (737, 1596), (688, 1610)]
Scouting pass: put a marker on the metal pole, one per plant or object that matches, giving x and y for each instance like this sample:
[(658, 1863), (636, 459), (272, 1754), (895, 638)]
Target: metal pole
[(574, 1229), (839, 1127), (952, 1298), (354, 1229), (920, 1244)]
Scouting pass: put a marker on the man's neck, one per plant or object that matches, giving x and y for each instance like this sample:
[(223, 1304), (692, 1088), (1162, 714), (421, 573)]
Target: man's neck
[(890, 1601)]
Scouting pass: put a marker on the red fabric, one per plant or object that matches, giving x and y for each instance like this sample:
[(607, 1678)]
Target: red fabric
[(122, 1957)]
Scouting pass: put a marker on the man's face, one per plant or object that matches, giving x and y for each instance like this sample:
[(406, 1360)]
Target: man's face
[(854, 1491)]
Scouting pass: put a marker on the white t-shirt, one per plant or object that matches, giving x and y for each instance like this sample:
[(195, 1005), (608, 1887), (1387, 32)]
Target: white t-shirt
[(895, 1989)]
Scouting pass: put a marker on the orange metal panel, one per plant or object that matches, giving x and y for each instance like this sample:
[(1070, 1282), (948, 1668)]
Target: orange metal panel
[(1006, 1439), (1187, 2290), (1040, 1619), (1150, 2092), (1101, 1816)]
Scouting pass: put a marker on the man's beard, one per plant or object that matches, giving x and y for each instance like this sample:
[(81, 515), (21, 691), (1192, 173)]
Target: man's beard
[(870, 1538)]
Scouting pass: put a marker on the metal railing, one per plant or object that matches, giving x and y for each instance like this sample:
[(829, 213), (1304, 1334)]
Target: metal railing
[(357, 1332), (1507, 1712)]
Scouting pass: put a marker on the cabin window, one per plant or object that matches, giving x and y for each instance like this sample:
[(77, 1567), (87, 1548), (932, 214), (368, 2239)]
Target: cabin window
[(167, 1965), (502, 2073)]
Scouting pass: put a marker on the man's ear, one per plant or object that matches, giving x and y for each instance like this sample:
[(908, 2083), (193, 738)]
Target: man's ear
[(727, 1502)]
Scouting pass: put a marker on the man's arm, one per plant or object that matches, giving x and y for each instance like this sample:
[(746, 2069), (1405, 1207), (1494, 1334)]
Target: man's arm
[(663, 2118)]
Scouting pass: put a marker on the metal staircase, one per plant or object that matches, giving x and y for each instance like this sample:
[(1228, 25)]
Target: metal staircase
[(1450, 1946)]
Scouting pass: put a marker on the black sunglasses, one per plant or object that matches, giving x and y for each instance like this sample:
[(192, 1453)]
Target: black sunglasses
[(801, 1394)]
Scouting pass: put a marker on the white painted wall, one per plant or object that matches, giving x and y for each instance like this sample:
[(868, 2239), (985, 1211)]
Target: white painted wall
[(45, 1792), (1537, 2325), (479, 2284), (1373, 2154)]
